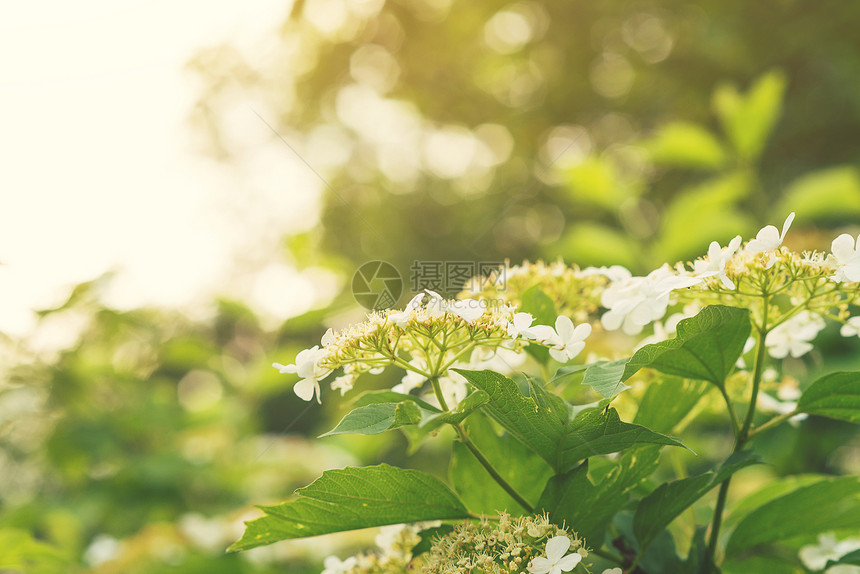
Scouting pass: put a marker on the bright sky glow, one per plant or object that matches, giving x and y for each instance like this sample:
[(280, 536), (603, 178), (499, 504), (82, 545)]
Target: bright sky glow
[(97, 168)]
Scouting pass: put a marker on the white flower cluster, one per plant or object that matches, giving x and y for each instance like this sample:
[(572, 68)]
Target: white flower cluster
[(816, 556), (744, 276), (428, 338)]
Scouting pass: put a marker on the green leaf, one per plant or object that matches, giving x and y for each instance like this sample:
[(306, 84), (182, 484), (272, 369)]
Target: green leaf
[(748, 120), (852, 558), (559, 437), (524, 470), (20, 552), (542, 308), (605, 377), (836, 396), (352, 498), (376, 397), (377, 418), (686, 145), (832, 193), (657, 510), (578, 245), (699, 560), (564, 372), (706, 347), (596, 181), (467, 406), (759, 564), (702, 213), (668, 401), (571, 498), (829, 504)]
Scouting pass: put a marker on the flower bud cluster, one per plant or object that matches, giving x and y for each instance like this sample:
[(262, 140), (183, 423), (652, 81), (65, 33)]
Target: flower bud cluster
[(427, 339), (505, 546)]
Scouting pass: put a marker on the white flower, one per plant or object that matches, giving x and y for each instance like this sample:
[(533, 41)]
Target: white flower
[(570, 340), (844, 249), (793, 337), (501, 360), (769, 237), (328, 337), (411, 380), (555, 562), (334, 565), (851, 327), (400, 319), (344, 383), (815, 557), (467, 309), (308, 367), (635, 302), (612, 571), (520, 325), (715, 263)]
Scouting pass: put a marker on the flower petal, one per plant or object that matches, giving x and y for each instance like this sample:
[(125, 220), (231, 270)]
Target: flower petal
[(569, 562), (305, 389), (786, 226), (540, 566), (556, 547), (564, 327), (843, 247)]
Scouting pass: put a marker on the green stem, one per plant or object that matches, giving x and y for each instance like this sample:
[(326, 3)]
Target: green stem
[(438, 390), (775, 421), (736, 427), (479, 456), (744, 434)]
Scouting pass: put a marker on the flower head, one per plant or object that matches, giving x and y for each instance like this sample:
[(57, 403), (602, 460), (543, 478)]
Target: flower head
[(570, 340), (769, 237), (845, 250), (308, 367), (794, 336), (334, 565), (635, 302), (714, 265), (555, 562)]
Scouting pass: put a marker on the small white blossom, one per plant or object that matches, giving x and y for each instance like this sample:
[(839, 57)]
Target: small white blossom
[(334, 565), (769, 237), (847, 254), (308, 367), (570, 339), (521, 324), (402, 318), (612, 571), (343, 383), (412, 379), (816, 556), (555, 562), (793, 337), (851, 327), (715, 263), (635, 302)]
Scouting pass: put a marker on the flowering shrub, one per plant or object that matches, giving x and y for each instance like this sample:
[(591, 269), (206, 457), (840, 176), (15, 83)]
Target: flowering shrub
[(540, 485)]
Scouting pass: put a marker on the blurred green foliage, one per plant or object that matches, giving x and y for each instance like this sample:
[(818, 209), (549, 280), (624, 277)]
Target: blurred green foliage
[(646, 128), (602, 132)]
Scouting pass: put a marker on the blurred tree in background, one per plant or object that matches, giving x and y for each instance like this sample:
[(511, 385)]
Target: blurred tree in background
[(452, 131), (630, 132)]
